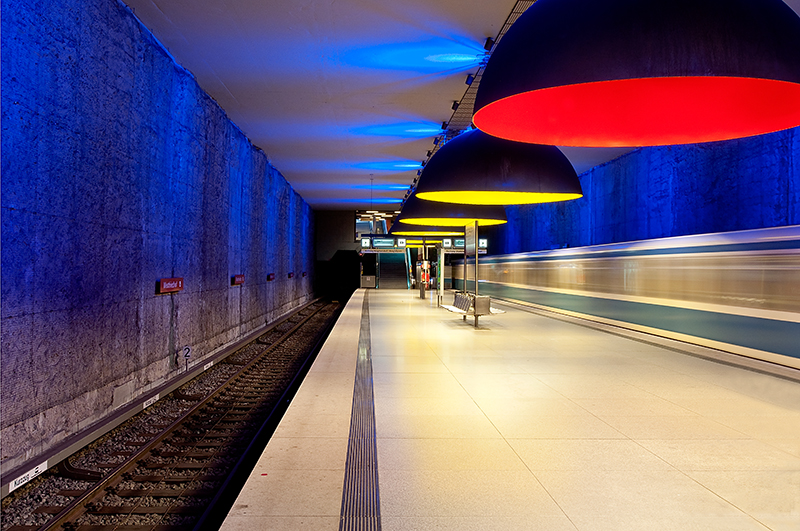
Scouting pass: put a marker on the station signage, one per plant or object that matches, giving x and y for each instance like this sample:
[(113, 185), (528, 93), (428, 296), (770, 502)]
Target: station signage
[(27, 476), (237, 280), (170, 285)]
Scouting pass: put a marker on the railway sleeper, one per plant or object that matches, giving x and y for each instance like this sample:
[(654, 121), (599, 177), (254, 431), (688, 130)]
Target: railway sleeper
[(236, 443), (159, 527), (165, 493), (71, 493), (134, 509), (183, 466), (185, 453), (175, 479), (48, 509)]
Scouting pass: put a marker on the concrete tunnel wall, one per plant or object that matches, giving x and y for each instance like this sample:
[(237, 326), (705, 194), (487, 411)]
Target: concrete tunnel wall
[(117, 171)]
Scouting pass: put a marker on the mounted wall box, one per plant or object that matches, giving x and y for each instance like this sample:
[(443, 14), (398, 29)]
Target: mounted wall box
[(270, 277), (170, 285), (237, 280), (291, 275)]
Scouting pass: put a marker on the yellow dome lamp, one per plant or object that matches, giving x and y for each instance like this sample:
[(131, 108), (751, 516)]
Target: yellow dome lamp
[(478, 169), (622, 73), (423, 230), (415, 211)]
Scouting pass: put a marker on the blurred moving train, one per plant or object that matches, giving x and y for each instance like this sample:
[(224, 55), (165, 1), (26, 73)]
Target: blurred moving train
[(735, 291)]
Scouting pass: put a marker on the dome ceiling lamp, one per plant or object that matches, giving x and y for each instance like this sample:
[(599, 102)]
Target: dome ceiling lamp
[(479, 169), (415, 211), (620, 73), (426, 230)]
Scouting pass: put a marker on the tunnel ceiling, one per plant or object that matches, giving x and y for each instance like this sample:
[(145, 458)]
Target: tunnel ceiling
[(344, 96)]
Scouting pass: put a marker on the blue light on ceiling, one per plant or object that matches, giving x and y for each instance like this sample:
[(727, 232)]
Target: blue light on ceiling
[(433, 55), (395, 165), (376, 200), (378, 187), (404, 129), (347, 184), (452, 58)]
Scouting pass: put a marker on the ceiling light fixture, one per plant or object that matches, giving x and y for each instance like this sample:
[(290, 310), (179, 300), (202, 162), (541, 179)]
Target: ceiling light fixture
[(415, 211), (423, 230), (633, 73), (479, 169)]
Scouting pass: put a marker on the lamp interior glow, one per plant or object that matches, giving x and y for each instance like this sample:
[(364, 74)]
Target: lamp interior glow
[(644, 112), (426, 231), (483, 197), (451, 222)]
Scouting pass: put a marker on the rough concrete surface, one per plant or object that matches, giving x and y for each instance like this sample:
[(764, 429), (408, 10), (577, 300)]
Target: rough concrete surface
[(117, 171)]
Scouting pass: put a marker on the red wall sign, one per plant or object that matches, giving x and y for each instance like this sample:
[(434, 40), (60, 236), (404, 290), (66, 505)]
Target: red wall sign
[(170, 285), (237, 280), (270, 277), (304, 273), (291, 275)]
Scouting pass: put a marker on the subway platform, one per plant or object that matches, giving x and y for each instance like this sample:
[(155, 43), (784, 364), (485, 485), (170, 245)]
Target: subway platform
[(528, 422)]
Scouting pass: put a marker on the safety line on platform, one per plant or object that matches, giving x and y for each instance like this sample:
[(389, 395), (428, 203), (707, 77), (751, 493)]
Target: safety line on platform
[(361, 509)]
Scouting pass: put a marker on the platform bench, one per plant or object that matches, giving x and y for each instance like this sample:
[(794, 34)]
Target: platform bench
[(468, 304)]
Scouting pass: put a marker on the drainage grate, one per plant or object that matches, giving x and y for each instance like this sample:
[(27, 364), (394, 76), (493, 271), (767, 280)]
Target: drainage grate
[(361, 508)]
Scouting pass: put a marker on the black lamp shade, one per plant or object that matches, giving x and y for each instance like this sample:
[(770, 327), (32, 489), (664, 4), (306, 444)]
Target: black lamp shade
[(479, 169), (643, 72), (415, 211)]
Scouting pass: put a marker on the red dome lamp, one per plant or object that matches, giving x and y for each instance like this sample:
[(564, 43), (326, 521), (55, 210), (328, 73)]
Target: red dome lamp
[(619, 73)]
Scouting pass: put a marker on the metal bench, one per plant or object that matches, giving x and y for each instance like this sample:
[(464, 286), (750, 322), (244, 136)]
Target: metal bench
[(469, 304), (461, 303)]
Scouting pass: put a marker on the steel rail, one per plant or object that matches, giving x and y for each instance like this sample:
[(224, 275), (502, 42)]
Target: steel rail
[(78, 506)]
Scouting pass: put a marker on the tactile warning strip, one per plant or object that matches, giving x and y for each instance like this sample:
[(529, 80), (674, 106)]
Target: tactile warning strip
[(360, 497)]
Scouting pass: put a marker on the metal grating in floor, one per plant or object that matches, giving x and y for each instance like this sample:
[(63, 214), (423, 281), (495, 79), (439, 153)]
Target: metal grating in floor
[(361, 509)]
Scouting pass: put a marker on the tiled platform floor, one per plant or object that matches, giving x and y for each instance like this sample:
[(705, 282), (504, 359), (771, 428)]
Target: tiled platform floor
[(531, 422)]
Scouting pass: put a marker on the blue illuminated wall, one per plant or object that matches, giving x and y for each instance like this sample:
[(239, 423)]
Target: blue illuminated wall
[(118, 170), (669, 191)]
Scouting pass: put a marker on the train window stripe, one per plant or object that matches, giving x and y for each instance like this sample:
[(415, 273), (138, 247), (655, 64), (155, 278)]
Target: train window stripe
[(761, 313), (768, 335)]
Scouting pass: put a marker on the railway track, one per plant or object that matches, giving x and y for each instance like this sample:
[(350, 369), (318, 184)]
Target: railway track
[(180, 464)]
